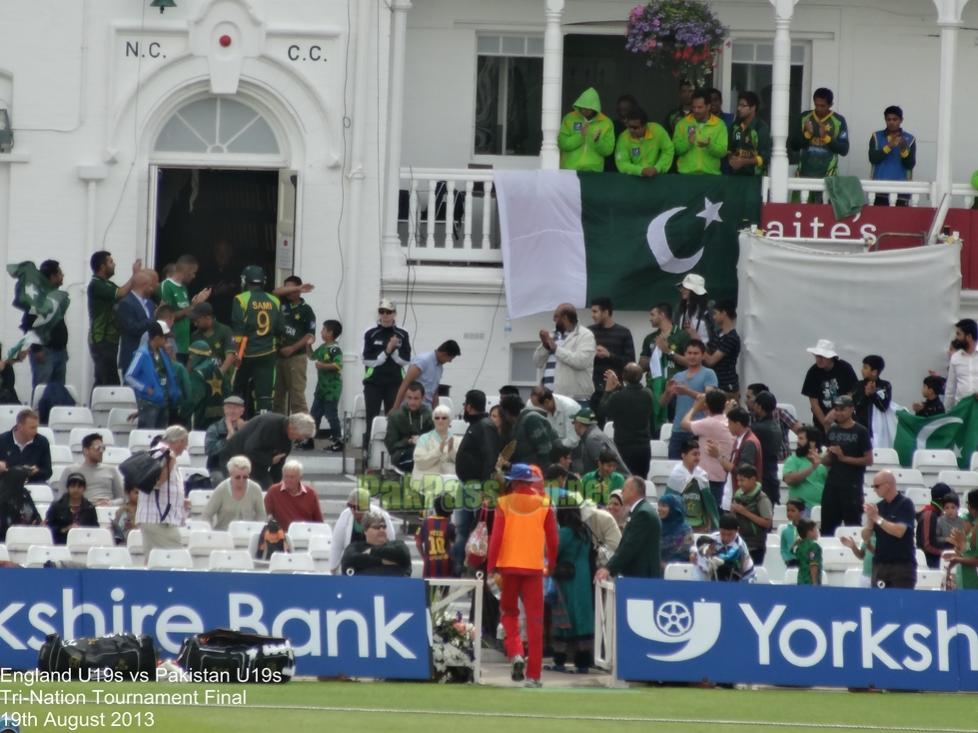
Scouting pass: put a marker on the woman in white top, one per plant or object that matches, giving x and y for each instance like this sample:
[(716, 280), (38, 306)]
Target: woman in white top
[(236, 497), (434, 453)]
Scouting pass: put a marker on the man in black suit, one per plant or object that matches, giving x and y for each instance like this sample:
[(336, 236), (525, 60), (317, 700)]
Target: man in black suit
[(134, 313), (637, 555)]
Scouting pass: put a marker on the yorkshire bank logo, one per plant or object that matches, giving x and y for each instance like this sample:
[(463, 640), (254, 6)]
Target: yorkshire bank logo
[(690, 633)]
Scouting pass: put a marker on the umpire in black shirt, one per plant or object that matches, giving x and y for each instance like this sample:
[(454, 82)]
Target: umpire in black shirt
[(891, 521)]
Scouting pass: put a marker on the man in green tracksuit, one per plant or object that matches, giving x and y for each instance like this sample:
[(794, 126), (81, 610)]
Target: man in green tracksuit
[(257, 317), (750, 139), (586, 136), (700, 139), (644, 148), (820, 137)]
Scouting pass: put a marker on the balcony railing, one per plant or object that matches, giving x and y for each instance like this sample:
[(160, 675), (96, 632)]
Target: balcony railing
[(449, 217)]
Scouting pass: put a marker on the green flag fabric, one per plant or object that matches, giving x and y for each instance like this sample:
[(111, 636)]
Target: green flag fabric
[(956, 430), (34, 295), (570, 237)]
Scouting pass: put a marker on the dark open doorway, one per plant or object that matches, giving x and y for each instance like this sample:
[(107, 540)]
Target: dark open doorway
[(198, 207)]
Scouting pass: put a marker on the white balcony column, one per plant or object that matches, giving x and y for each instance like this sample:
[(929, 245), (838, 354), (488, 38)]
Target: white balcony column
[(780, 88), (395, 123), (949, 14), (553, 69)]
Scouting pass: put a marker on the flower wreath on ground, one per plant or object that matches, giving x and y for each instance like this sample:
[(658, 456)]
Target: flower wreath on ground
[(452, 647), (683, 35)]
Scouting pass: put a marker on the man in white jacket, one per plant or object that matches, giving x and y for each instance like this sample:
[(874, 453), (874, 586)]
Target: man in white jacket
[(348, 529), (565, 358), (560, 413)]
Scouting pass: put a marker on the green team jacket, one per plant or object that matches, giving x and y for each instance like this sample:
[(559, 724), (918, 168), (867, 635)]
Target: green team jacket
[(694, 159), (818, 154), (751, 141), (652, 150), (256, 315), (583, 143)]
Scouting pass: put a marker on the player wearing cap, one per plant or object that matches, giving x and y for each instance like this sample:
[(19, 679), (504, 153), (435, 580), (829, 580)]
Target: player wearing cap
[(386, 352), (216, 334), (256, 319)]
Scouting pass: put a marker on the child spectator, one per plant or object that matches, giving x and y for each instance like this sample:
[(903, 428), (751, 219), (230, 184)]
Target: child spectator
[(272, 539), (871, 392), (71, 510), (724, 555), (795, 509), (329, 383), (753, 511), (124, 521), (964, 559), (864, 552), (808, 554), (599, 483), (434, 538), (927, 525), (932, 391), (693, 484), (949, 520)]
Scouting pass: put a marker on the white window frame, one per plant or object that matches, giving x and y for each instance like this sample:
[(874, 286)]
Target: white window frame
[(726, 66)]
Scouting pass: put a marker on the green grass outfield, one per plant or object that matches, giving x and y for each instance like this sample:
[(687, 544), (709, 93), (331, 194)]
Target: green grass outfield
[(385, 707)]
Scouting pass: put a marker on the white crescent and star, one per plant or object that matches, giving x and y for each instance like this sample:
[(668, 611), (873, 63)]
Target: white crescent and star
[(659, 242), (932, 427)]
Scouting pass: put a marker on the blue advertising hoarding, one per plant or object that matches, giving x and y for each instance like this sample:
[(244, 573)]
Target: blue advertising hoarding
[(369, 627), (796, 635)]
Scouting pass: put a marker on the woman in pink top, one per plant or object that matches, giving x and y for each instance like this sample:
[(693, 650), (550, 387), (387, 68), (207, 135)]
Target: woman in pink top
[(711, 429)]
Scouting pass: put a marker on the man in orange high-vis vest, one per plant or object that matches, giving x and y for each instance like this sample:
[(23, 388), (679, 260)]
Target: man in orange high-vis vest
[(524, 527)]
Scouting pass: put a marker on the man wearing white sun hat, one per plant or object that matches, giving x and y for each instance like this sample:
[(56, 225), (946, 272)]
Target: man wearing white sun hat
[(828, 378)]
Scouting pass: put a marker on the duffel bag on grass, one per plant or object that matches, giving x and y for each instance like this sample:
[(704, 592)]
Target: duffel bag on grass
[(238, 656), (115, 657)]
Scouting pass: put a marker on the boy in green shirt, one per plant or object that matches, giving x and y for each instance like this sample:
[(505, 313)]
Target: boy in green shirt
[(808, 553), (173, 292), (329, 382), (599, 483)]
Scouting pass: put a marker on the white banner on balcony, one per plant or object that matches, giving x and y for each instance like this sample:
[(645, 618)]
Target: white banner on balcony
[(899, 304), (542, 240)]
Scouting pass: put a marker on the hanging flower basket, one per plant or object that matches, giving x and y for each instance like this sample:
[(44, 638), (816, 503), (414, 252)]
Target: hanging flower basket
[(682, 35)]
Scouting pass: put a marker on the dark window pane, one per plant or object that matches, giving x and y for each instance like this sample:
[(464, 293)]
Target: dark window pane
[(525, 99), (488, 130)]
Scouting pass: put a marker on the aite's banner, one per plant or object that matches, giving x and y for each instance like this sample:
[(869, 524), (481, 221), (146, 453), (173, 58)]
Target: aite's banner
[(796, 636), (570, 237), (359, 627)]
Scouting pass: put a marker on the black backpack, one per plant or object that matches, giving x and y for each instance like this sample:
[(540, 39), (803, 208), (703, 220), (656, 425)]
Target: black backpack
[(16, 504)]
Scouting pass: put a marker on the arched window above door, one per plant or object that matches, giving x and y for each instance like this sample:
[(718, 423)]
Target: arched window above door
[(217, 125)]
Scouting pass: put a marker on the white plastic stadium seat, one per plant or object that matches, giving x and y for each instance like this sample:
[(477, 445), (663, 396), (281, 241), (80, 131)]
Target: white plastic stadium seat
[(447, 402), (761, 576), (140, 438), (76, 435), (291, 562), (681, 571), (106, 514), (319, 546), (856, 533), (665, 432), (4, 555), (61, 454), (19, 537), (659, 471), (242, 531), (160, 559), (134, 543), (660, 449), (195, 446), (39, 391), (885, 458), (230, 560), (609, 429), (932, 460), (960, 481), (458, 428), (37, 555), (63, 419), (81, 538), (40, 493), (853, 577), (48, 433), (377, 451), (779, 515), (919, 496), (839, 559), (106, 399), (905, 477), (928, 579), (202, 542), (114, 455), (198, 500), (773, 562), (108, 557), (359, 422), (974, 461), (8, 416), (119, 423), (300, 532)]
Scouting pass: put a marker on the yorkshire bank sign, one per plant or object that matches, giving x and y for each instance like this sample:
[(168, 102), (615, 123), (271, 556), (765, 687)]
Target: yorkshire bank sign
[(894, 227), (790, 635)]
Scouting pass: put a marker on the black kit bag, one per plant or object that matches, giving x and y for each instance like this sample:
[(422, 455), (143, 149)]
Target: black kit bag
[(16, 504), (243, 657), (133, 657), (143, 470)]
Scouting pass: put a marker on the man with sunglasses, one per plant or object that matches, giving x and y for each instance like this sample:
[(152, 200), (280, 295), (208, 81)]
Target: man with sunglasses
[(103, 484), (386, 353)]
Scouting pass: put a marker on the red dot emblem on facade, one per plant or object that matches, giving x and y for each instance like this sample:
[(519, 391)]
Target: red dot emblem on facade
[(225, 40)]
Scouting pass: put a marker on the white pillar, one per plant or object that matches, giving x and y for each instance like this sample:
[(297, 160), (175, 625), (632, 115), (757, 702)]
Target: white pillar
[(91, 175), (395, 123), (553, 68), (949, 20), (780, 88)]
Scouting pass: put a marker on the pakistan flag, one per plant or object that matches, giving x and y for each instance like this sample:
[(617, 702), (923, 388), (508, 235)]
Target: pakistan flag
[(570, 237), (34, 295), (956, 430)]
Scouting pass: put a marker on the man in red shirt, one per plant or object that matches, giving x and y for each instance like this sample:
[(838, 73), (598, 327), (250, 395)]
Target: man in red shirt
[(291, 500), (524, 524)]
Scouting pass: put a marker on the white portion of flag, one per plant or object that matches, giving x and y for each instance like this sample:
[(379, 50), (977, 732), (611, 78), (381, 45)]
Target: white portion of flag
[(542, 240)]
